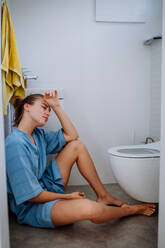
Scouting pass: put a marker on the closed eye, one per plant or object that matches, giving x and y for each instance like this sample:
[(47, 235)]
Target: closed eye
[(45, 107)]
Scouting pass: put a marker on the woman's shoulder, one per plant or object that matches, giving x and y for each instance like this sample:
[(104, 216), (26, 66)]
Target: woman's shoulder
[(14, 138)]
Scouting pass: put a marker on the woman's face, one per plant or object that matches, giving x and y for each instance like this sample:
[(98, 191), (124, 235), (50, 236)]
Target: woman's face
[(39, 112)]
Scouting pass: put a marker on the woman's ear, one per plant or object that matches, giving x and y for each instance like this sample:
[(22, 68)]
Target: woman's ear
[(26, 107)]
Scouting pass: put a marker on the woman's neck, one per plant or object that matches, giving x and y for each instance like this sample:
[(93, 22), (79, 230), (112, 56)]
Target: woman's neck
[(28, 131), (26, 127)]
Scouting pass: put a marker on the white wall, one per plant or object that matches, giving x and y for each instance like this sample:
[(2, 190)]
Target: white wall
[(104, 69), (155, 106), (161, 236)]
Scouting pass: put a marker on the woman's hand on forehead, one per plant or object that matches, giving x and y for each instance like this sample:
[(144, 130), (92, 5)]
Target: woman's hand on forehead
[(51, 98)]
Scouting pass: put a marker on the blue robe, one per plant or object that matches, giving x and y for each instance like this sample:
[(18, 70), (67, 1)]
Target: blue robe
[(28, 175)]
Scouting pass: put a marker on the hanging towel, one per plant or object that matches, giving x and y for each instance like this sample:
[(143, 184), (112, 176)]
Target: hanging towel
[(12, 79)]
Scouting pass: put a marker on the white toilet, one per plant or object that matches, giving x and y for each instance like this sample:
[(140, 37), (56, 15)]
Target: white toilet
[(136, 169)]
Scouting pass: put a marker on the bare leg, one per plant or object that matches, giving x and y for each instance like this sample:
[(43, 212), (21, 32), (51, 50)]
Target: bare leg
[(76, 151), (69, 211)]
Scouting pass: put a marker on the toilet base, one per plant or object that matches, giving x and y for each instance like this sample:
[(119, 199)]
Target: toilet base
[(139, 178)]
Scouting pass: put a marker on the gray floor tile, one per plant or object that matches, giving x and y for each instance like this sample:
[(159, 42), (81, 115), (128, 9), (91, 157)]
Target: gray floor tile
[(128, 232)]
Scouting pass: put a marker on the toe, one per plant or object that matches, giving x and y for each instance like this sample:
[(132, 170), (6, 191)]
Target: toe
[(150, 205), (150, 211)]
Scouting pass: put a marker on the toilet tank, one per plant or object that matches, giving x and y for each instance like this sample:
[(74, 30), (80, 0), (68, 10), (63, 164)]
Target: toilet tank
[(53, 122)]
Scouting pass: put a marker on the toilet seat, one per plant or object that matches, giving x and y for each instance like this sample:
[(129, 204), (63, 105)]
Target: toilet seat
[(151, 150)]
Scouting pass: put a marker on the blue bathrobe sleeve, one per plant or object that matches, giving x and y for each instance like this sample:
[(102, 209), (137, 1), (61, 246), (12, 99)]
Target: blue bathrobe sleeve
[(55, 141), (22, 178)]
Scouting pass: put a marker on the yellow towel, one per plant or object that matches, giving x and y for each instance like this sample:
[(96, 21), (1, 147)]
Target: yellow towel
[(12, 80)]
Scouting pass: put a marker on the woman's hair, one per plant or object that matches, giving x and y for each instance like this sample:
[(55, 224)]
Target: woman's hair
[(19, 106)]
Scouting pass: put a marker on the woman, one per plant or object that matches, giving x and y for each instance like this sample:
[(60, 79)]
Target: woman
[(36, 193)]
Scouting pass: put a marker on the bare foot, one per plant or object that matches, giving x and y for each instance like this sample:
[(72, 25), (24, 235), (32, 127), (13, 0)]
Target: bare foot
[(140, 209), (111, 200), (150, 205)]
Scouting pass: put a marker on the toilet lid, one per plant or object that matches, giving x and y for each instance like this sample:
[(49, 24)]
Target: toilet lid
[(135, 151)]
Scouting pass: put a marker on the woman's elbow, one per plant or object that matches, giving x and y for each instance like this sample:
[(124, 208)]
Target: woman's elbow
[(76, 137), (70, 138)]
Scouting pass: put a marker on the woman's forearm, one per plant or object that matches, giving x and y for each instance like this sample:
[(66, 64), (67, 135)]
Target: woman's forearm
[(46, 196), (70, 132)]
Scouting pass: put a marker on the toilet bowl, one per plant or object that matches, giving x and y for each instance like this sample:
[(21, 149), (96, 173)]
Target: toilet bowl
[(136, 169)]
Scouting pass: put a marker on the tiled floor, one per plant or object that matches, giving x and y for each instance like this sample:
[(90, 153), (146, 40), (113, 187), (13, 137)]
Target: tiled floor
[(128, 232)]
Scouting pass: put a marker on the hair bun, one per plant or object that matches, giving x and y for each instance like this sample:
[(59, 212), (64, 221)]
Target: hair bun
[(18, 101)]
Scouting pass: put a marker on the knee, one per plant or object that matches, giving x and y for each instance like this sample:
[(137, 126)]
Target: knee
[(88, 209), (92, 211), (95, 212), (77, 145)]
